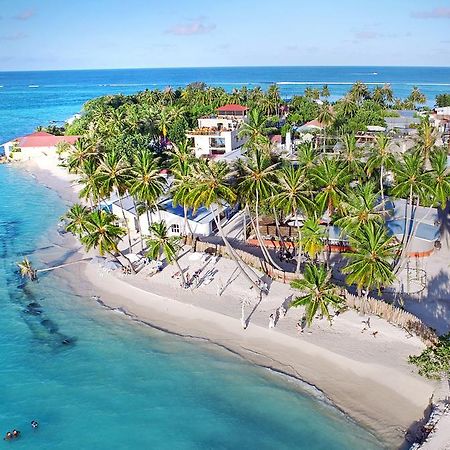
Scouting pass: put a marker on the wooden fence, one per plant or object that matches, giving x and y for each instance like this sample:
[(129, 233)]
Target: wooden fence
[(392, 314)]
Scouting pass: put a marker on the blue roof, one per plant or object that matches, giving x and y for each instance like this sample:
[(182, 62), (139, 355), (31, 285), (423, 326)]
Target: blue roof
[(424, 231), (202, 214)]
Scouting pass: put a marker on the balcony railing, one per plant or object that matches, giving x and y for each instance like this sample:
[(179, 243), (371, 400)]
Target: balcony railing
[(205, 131)]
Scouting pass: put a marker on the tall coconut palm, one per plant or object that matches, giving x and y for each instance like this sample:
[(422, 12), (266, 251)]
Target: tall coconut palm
[(114, 176), (307, 156), (388, 93), (348, 106), (359, 207), (103, 234), (330, 176), (89, 181), (319, 293), (27, 270), (161, 244), (359, 92), (256, 186), (313, 236), (326, 118), (76, 219), (212, 189), (146, 183), (255, 130), (411, 182), (293, 196), (82, 151), (370, 263), (427, 138), (351, 156), (439, 177), (416, 97), (325, 92), (381, 157)]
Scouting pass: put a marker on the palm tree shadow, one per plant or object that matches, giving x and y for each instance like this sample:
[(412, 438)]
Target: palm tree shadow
[(247, 321)]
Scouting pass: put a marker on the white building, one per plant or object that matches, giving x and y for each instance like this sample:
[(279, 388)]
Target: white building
[(201, 223), (218, 136), (35, 145)]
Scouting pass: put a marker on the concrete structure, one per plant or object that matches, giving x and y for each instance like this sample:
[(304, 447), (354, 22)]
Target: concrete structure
[(217, 136), (201, 223), (35, 145)]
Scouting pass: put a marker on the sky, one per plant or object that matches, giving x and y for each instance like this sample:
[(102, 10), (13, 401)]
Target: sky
[(85, 34)]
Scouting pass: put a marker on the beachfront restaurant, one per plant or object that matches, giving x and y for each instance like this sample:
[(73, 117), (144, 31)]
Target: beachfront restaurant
[(201, 222)]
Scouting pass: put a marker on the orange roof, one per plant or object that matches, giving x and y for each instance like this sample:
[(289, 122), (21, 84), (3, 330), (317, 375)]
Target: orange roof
[(44, 139), (314, 123), (232, 108)]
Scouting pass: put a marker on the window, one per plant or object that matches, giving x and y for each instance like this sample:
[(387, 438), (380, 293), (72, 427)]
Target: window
[(217, 142), (175, 228)]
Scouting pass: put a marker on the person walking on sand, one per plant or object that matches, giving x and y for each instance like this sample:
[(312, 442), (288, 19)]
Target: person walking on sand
[(272, 321)]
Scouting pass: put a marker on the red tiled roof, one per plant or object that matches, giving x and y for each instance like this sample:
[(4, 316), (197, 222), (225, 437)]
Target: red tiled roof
[(314, 123), (276, 139), (232, 108), (43, 139)]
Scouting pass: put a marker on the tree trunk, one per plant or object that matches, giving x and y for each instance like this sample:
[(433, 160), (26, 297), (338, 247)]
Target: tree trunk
[(231, 250), (126, 222), (382, 188), (299, 249), (130, 265), (60, 266), (181, 271), (138, 224)]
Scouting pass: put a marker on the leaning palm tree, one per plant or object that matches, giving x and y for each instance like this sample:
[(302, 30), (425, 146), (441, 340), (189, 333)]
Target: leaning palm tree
[(82, 151), (104, 234), (89, 181), (212, 190), (320, 293), (161, 244), (27, 270), (370, 263), (439, 177)]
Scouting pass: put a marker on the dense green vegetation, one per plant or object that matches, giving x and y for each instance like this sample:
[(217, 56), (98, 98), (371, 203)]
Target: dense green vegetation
[(125, 146), (434, 362), (443, 100)]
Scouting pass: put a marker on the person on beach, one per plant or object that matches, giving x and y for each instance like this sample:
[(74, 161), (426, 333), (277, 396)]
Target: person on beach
[(281, 312), (299, 328), (272, 321)]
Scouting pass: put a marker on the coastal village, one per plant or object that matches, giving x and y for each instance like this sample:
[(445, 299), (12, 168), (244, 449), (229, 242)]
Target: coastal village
[(322, 221)]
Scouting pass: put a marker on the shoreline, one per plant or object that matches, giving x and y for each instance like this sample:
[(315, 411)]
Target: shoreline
[(371, 398)]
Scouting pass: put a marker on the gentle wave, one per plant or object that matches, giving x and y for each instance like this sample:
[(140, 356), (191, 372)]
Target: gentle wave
[(129, 84), (329, 83)]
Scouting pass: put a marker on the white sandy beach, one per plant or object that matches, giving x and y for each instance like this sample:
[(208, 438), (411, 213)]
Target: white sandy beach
[(365, 375)]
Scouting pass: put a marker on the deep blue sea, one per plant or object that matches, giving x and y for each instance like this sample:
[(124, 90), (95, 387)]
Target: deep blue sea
[(28, 99), (120, 385)]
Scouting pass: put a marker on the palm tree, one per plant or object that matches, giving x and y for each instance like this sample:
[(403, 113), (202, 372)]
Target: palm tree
[(416, 97), (388, 93), (90, 182), (330, 176), (77, 218), (359, 207), (27, 270), (427, 138), (103, 234), (160, 243), (82, 151), (411, 182), (359, 92), (439, 177), (349, 106), (313, 236), (212, 189), (382, 158), (293, 197), (351, 156), (114, 176), (326, 118), (325, 92), (256, 186), (146, 183), (320, 293), (255, 129), (307, 156), (370, 261)]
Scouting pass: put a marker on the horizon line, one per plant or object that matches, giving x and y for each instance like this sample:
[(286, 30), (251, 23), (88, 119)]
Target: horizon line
[(219, 67)]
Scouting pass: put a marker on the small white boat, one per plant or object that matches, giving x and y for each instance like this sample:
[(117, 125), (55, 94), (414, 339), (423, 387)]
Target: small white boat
[(33, 86)]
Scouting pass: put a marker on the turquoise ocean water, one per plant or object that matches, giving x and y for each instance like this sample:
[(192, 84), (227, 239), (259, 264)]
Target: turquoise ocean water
[(92, 378)]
